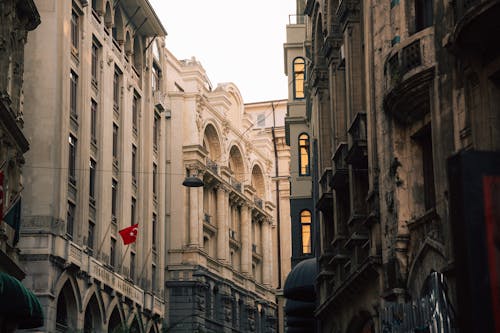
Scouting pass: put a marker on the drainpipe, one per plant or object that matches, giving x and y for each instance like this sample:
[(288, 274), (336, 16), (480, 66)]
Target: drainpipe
[(276, 170)]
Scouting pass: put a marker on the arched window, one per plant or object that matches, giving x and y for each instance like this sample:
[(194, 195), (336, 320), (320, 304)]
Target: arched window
[(304, 169), (299, 66), (305, 223)]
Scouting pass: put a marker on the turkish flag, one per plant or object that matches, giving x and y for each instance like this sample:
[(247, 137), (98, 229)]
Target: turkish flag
[(129, 234)]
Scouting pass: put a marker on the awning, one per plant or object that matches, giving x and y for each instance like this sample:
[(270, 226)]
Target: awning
[(19, 304), (299, 284)]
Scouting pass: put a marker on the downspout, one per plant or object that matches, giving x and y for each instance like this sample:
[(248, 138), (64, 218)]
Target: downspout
[(276, 170)]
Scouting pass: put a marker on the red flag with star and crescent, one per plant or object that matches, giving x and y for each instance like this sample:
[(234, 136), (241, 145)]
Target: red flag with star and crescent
[(129, 234)]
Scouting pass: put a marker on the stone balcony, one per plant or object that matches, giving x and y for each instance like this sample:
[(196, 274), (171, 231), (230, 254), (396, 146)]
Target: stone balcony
[(159, 100), (340, 171), (408, 76), (358, 148)]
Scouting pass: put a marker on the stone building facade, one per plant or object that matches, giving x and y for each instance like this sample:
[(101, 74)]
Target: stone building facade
[(395, 90), (18, 19), (220, 263), (94, 115)]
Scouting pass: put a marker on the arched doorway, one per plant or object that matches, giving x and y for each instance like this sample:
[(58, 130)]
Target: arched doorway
[(92, 322), (66, 309)]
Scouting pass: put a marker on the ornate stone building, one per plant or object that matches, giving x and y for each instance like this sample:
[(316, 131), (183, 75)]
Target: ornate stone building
[(94, 116), (398, 96), (18, 19), (220, 263)]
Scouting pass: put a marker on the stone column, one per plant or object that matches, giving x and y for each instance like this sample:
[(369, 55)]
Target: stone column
[(246, 240), (266, 252), (222, 224)]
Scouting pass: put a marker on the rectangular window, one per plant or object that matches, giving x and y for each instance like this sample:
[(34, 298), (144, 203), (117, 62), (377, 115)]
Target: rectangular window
[(155, 77), (112, 252), (75, 34), (114, 198), (304, 155), (261, 120), (134, 164), (132, 266), (72, 160), (135, 112), (132, 211), (73, 94), (93, 121), (428, 171), (115, 143), (95, 63), (153, 277), (423, 14), (156, 131), (116, 90), (154, 231), (155, 180), (90, 236), (70, 219), (92, 179)]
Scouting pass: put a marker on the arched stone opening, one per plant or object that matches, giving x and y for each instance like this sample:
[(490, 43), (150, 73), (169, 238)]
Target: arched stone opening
[(66, 309), (92, 322)]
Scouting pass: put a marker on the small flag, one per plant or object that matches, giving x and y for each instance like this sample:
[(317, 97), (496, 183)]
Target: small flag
[(129, 234), (13, 217)]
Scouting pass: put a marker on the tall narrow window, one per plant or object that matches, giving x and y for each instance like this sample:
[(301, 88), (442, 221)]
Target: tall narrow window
[(155, 180), (135, 112), (132, 211), (423, 14), (112, 252), (153, 277), (114, 198), (70, 219), (305, 222), (155, 77), (75, 34), (132, 266), (73, 94), (154, 231), (95, 63), (115, 143), (72, 160), (92, 178), (134, 164), (90, 236), (298, 78), (261, 120), (116, 90), (304, 169), (156, 131), (425, 142), (93, 121)]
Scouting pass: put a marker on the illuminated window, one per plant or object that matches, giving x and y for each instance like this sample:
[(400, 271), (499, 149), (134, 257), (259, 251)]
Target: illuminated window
[(304, 169), (305, 222), (299, 66)]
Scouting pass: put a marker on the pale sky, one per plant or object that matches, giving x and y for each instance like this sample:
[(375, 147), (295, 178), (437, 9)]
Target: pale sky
[(237, 41)]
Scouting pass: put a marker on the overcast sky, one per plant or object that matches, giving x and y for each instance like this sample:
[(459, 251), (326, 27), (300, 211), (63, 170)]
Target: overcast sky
[(237, 41)]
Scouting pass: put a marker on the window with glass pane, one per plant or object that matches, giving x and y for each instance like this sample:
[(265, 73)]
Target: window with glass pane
[(132, 211), (298, 78), (132, 266), (92, 178), (135, 112), (134, 164), (155, 77), (90, 237), (70, 218), (112, 252), (116, 90), (153, 277), (154, 231), (95, 63), (74, 30), (114, 198), (73, 94), (156, 130), (305, 221), (72, 160), (304, 169), (93, 121), (155, 179), (115, 141)]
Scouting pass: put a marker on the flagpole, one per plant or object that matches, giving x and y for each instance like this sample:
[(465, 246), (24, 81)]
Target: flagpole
[(103, 239), (123, 257), (144, 264)]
